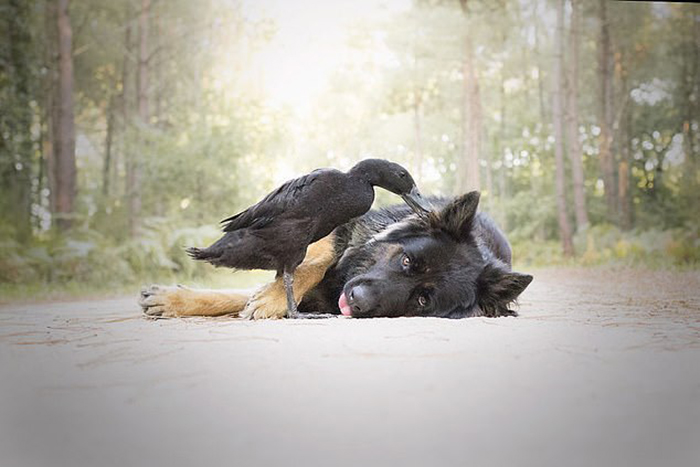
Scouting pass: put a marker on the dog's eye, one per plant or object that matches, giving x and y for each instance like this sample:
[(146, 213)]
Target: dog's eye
[(422, 300), (405, 261)]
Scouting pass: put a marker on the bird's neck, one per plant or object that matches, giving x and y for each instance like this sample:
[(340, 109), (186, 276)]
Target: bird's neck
[(365, 173)]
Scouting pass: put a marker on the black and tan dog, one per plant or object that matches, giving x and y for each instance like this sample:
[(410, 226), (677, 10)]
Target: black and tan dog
[(454, 263)]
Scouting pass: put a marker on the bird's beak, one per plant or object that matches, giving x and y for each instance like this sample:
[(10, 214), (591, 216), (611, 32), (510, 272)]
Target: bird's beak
[(416, 201)]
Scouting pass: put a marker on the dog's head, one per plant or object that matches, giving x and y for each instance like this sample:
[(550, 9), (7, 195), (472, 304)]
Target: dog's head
[(433, 266)]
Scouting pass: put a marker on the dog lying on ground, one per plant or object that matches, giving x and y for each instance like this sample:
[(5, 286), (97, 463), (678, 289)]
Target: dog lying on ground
[(453, 263)]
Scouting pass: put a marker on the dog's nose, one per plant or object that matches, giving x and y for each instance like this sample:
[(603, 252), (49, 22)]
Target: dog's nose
[(358, 299)]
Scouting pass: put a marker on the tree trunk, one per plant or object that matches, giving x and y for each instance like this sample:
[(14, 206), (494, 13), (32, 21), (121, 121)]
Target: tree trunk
[(16, 141), (469, 171), (574, 145), (134, 174), (502, 169), (622, 141), (144, 20), (417, 107), (489, 183), (690, 77), (500, 141), (624, 190), (64, 130), (558, 123), (125, 101), (605, 112), (418, 134), (109, 138), (157, 68), (50, 95), (538, 60)]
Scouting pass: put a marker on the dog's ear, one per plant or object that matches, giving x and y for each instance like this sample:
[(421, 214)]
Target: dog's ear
[(497, 289), (457, 218)]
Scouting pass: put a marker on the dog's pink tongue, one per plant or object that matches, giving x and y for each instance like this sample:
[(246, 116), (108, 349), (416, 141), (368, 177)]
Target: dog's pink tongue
[(343, 305)]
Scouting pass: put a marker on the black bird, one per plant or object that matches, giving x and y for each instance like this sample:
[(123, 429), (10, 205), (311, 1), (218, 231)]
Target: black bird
[(275, 233)]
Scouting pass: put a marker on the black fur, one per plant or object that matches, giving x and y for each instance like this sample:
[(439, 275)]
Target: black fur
[(454, 263)]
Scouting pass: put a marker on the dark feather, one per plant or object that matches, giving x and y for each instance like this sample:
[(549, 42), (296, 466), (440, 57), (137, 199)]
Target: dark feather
[(196, 253), (280, 200)]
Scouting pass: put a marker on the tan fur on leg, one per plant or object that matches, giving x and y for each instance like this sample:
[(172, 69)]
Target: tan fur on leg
[(267, 302), (270, 301), (179, 301)]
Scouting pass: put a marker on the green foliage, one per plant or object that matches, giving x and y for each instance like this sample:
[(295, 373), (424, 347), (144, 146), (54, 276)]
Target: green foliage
[(87, 256), (607, 244)]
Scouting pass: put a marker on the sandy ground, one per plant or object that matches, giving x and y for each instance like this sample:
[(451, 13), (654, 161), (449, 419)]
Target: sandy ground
[(601, 368)]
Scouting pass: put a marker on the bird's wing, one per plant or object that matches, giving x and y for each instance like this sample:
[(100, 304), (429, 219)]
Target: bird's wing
[(275, 203)]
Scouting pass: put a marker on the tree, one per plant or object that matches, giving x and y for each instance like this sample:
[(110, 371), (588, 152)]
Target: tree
[(623, 143), (605, 111), (538, 49), (558, 123), (64, 165), (572, 120), (472, 125), (134, 171), (690, 91), (17, 85), (417, 105)]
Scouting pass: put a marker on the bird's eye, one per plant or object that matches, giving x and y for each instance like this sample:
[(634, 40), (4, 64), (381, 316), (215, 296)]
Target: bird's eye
[(402, 174), (422, 300), (405, 261)]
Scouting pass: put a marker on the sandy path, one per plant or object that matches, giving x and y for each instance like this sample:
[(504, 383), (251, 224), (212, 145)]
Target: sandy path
[(602, 368)]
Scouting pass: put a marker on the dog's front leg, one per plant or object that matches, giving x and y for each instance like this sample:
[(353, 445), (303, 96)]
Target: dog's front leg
[(270, 301), (160, 301)]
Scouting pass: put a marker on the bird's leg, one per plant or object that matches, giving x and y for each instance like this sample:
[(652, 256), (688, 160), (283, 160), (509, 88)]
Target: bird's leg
[(289, 289)]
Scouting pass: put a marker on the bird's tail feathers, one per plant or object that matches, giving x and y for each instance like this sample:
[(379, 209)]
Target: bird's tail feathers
[(200, 254)]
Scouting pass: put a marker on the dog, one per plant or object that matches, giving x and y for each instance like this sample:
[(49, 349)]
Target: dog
[(453, 263)]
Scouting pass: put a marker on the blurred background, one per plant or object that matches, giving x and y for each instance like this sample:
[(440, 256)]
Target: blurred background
[(129, 128)]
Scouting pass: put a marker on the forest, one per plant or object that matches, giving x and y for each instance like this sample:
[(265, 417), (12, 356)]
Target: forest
[(129, 128)]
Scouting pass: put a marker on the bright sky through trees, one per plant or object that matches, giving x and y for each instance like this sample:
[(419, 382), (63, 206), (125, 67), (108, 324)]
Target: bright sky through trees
[(310, 43)]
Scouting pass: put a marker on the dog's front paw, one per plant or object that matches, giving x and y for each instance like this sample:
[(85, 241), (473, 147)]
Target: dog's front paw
[(161, 301), (268, 302)]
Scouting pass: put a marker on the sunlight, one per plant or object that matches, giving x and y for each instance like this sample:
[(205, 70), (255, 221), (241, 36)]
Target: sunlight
[(310, 43)]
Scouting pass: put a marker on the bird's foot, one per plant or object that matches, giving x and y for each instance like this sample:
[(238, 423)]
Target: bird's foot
[(288, 280), (292, 313)]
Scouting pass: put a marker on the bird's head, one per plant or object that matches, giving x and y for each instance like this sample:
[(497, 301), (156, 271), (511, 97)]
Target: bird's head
[(395, 178)]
